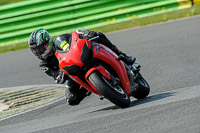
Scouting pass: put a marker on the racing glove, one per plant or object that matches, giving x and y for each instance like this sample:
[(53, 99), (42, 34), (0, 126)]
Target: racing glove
[(86, 34)]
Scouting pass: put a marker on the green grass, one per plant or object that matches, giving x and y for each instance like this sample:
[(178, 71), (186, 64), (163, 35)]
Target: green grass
[(5, 2), (195, 10), (13, 47)]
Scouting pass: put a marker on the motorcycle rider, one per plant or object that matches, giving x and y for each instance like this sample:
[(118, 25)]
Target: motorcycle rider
[(43, 47)]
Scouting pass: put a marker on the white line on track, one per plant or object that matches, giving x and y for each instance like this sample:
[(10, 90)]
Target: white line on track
[(177, 95)]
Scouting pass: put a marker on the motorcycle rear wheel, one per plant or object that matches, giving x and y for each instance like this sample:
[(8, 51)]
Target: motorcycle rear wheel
[(143, 88), (114, 95)]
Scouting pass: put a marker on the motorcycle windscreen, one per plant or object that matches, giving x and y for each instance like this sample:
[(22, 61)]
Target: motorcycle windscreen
[(62, 43)]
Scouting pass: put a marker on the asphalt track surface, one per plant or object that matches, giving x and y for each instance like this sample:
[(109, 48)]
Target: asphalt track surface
[(170, 59)]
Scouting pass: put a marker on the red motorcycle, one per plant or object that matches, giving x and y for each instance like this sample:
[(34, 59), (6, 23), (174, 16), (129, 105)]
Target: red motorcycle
[(99, 70)]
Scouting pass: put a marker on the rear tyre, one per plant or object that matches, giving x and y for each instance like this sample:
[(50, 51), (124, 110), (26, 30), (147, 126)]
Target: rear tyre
[(114, 94), (143, 88)]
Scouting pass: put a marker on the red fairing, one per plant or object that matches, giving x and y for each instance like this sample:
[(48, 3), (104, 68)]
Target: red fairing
[(101, 69), (108, 56), (72, 59), (73, 56)]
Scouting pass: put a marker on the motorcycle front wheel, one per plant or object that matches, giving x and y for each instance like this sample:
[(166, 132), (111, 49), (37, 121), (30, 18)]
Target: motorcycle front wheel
[(114, 94)]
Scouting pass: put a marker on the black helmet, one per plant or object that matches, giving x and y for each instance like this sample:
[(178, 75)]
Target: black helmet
[(41, 44)]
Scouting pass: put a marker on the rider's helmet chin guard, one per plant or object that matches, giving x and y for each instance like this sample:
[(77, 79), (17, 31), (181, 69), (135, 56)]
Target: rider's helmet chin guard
[(41, 44)]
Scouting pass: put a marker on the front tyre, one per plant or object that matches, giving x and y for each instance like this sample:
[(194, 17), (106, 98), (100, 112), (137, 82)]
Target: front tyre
[(114, 94)]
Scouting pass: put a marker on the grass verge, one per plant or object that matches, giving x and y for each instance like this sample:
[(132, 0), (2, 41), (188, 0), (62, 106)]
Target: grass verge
[(5, 2), (195, 10)]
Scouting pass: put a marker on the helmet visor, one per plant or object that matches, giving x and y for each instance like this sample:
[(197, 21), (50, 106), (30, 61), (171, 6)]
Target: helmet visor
[(38, 50)]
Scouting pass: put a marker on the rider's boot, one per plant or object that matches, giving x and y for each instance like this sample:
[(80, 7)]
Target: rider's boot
[(75, 93), (127, 59)]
